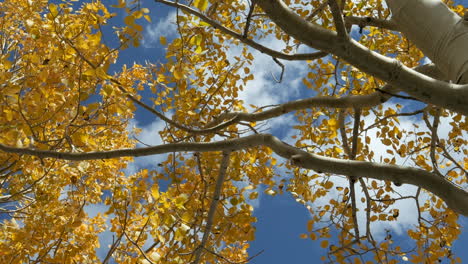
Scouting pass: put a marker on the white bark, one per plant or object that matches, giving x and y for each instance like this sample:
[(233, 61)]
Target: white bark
[(424, 88), (351, 101), (456, 198), (440, 33)]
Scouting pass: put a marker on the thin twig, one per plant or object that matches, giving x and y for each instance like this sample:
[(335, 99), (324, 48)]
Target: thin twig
[(434, 140), (344, 139), (249, 17), (249, 42), (319, 9), (397, 95), (214, 204), (229, 122), (282, 70)]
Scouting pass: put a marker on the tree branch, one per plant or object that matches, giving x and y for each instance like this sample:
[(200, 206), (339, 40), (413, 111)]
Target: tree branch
[(370, 21), (456, 198), (248, 20), (210, 129), (214, 204), (338, 20), (351, 101), (443, 94), (249, 42)]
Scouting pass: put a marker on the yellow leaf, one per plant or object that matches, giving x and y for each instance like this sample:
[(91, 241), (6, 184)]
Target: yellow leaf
[(53, 9), (138, 14), (8, 114), (155, 256), (203, 24), (161, 238), (19, 143), (138, 28), (310, 225), (129, 20), (89, 72), (121, 4), (303, 236), (387, 142), (324, 244), (178, 74), (253, 196), (179, 234), (328, 185), (234, 201), (201, 4), (101, 73), (332, 123), (163, 40), (155, 192)]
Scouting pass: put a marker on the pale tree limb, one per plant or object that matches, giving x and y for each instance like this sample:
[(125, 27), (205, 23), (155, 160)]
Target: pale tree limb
[(214, 203), (350, 101), (338, 20), (344, 138), (240, 37), (352, 179), (351, 153), (434, 139), (371, 21), (429, 90), (348, 151), (455, 197)]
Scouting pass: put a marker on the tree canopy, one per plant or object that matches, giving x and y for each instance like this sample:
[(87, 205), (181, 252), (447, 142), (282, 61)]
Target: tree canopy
[(365, 125)]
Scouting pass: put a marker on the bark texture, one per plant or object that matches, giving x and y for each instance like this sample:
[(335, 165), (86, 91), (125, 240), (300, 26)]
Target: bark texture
[(440, 33)]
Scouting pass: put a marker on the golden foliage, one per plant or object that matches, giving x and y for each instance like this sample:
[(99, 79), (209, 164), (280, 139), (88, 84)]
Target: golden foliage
[(60, 94)]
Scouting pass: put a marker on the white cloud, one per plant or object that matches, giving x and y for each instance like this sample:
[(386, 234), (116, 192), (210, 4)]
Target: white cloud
[(264, 90), (164, 27), (149, 135)]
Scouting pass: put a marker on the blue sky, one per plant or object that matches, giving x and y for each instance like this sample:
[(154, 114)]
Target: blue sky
[(280, 218)]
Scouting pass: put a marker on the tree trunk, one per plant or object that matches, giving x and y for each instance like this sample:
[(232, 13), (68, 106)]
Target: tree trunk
[(440, 33)]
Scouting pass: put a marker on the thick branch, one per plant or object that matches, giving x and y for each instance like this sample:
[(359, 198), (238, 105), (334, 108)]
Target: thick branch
[(443, 94), (338, 19), (456, 198), (240, 37), (373, 22), (360, 101), (351, 101)]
